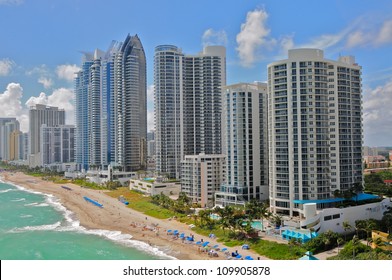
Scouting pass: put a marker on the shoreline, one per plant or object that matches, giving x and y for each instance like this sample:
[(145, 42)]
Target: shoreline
[(115, 216)]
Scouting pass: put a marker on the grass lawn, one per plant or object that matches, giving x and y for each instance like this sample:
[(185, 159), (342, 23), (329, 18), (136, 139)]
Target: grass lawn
[(142, 203), (269, 249)]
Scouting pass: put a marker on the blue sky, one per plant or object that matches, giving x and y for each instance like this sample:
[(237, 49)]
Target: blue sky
[(41, 41)]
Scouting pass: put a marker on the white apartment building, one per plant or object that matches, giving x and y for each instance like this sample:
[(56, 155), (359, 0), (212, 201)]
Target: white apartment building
[(245, 144), (315, 129), (167, 93), (188, 104), (202, 175)]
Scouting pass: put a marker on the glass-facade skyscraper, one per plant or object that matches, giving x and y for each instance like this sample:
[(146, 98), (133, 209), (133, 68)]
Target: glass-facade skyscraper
[(111, 107)]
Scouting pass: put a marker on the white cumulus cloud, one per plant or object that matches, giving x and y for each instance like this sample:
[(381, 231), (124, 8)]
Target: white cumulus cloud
[(253, 35), (67, 71), (211, 37), (11, 105), (377, 115), (46, 82), (63, 98), (6, 66), (150, 108), (150, 95), (150, 120)]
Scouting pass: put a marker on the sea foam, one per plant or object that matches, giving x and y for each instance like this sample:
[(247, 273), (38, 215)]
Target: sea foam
[(71, 223)]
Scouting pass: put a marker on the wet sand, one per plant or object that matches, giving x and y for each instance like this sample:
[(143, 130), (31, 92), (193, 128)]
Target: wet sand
[(116, 216)]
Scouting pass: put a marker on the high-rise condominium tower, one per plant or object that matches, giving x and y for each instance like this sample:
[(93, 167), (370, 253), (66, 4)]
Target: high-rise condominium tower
[(111, 107), (57, 145), (315, 129), (246, 145), (188, 104), (168, 87), (130, 110), (39, 115), (7, 126)]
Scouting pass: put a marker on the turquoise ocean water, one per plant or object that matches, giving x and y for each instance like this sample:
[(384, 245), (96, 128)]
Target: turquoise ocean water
[(35, 226)]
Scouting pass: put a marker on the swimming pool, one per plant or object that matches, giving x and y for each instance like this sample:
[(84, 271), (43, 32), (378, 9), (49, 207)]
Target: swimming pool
[(256, 225), (215, 217)]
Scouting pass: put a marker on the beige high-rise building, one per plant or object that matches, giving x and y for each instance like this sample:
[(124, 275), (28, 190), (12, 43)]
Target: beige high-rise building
[(14, 145), (39, 115), (202, 176)]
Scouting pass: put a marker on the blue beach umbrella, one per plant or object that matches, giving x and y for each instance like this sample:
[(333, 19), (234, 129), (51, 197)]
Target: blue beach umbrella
[(205, 243), (245, 246)]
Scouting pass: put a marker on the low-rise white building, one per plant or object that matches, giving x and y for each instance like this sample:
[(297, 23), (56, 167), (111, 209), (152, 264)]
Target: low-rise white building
[(110, 174), (154, 186), (333, 218)]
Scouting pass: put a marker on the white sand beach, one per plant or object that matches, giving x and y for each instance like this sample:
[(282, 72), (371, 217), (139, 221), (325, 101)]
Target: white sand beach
[(117, 217)]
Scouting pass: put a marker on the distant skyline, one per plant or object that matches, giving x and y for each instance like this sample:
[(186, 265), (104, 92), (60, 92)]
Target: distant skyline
[(42, 43)]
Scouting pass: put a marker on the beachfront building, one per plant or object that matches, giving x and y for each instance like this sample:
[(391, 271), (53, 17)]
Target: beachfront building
[(245, 143), (188, 104), (167, 97), (315, 129), (94, 108), (315, 220), (155, 186), (102, 176), (81, 112), (201, 176), (41, 115), (57, 144), (111, 107), (130, 98)]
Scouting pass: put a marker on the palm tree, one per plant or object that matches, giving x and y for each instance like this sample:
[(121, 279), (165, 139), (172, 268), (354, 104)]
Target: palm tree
[(355, 243), (293, 242), (226, 217), (339, 241), (357, 188), (347, 227), (204, 215), (326, 242), (311, 230)]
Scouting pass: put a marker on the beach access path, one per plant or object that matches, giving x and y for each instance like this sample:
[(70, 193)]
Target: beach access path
[(115, 216)]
